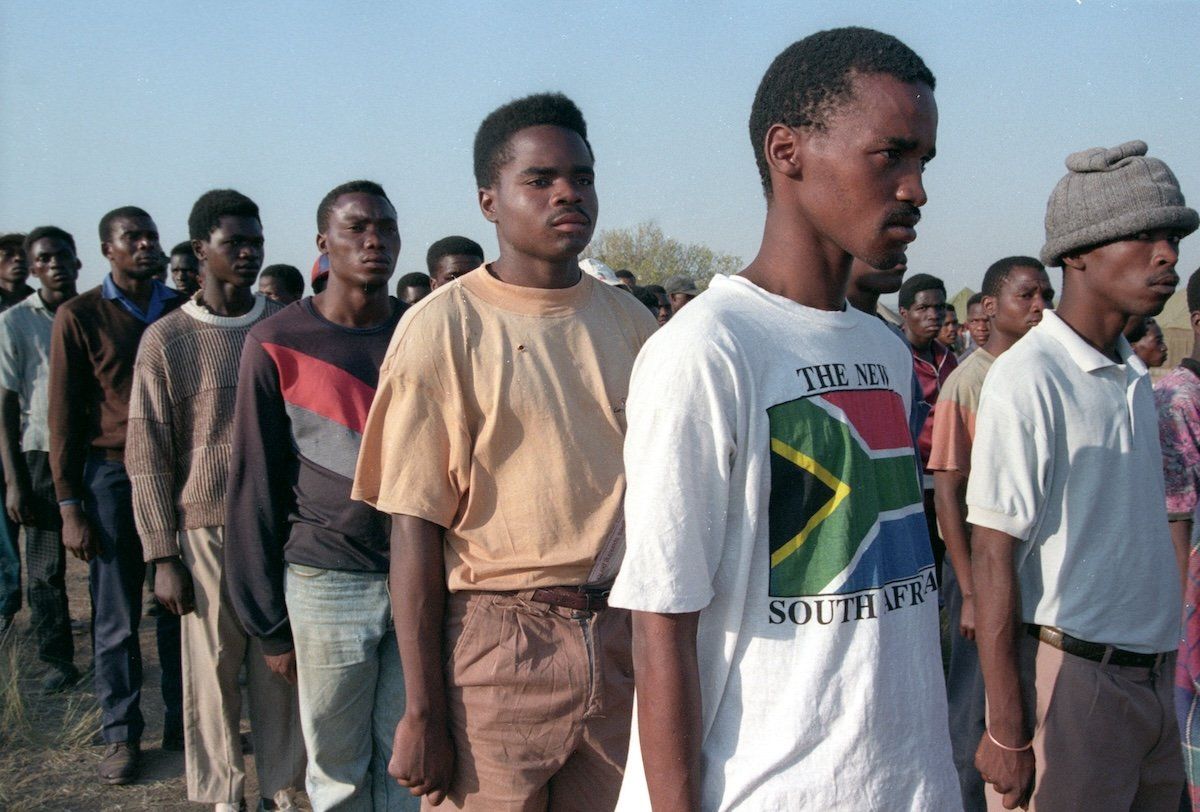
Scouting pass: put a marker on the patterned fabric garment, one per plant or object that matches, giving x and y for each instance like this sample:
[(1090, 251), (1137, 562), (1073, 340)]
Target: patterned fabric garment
[(1177, 397)]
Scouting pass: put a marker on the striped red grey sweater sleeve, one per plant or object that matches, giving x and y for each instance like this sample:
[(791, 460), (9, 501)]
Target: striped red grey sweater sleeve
[(305, 387)]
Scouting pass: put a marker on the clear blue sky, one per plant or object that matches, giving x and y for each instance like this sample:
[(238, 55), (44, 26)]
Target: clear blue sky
[(152, 103)]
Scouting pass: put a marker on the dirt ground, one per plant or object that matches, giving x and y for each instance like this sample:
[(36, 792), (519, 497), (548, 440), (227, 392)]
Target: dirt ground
[(49, 745)]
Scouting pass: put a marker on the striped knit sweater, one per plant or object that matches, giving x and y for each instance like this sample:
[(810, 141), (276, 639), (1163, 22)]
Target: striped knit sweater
[(181, 421)]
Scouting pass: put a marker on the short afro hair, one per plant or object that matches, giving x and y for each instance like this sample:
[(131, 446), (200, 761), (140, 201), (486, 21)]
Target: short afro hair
[(494, 134), (53, 232), (976, 298), (106, 222), (288, 275), (997, 273), (12, 242), (811, 78), (366, 187), (416, 279), (916, 284), (183, 249), (450, 246), (213, 205), (1193, 291)]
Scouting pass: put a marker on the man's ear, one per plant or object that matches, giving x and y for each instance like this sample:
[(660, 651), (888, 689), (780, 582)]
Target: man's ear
[(105, 249), (200, 249), (783, 149), (989, 306), (1194, 316), (322, 244), (1074, 261), (487, 203)]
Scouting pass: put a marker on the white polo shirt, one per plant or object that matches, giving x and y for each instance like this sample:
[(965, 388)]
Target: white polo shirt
[(1067, 459)]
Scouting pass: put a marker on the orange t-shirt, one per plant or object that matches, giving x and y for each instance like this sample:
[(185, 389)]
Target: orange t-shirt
[(500, 416), (954, 415)]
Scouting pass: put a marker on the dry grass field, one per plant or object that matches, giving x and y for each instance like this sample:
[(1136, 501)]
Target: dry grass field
[(49, 745)]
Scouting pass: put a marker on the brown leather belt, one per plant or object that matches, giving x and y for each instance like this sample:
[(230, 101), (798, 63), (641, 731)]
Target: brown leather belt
[(1062, 641), (579, 598)]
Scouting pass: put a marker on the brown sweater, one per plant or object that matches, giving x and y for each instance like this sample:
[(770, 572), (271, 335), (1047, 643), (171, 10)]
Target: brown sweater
[(92, 347), (181, 421)]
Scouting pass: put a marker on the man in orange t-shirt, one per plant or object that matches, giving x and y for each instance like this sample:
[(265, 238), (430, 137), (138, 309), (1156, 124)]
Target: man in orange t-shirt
[(1015, 292)]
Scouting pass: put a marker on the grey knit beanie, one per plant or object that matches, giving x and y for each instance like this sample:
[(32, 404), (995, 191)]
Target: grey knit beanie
[(1109, 194)]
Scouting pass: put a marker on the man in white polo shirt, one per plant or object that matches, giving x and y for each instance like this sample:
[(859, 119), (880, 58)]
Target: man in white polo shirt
[(1077, 583)]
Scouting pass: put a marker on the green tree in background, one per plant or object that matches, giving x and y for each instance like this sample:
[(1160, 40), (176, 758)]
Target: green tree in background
[(654, 256)]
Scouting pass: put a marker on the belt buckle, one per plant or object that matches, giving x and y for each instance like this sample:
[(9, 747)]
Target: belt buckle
[(596, 599)]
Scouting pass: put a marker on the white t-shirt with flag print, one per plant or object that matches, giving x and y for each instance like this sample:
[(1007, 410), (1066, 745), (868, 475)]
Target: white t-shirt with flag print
[(772, 487)]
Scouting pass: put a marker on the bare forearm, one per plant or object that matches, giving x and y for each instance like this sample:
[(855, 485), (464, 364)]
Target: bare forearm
[(949, 489), (668, 701), (10, 433), (997, 634), (417, 581), (1181, 539)]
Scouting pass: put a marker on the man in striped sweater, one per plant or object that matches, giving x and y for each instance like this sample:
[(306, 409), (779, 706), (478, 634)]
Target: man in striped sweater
[(180, 426), (307, 379)]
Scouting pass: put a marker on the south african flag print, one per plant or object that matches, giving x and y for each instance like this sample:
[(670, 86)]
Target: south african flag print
[(845, 509)]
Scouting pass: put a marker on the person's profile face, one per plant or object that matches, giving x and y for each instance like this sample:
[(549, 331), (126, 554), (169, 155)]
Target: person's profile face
[(1152, 347), (544, 203), (1135, 275), (861, 179)]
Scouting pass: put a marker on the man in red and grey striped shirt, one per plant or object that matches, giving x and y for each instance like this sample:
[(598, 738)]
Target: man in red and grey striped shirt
[(307, 379)]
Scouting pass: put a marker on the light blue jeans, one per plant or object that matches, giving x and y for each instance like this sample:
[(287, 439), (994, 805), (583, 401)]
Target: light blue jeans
[(351, 687)]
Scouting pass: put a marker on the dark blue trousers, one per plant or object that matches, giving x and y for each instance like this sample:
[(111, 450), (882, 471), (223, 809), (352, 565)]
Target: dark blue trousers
[(116, 575), (10, 561)]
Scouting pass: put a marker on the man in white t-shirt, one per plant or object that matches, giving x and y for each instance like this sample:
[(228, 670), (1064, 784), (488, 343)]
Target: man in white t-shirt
[(778, 563), (1077, 585)]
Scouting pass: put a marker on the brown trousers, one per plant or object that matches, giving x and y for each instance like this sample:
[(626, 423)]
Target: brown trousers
[(539, 700), (1106, 736)]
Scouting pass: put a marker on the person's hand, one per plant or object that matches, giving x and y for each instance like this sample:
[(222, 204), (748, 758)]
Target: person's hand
[(1010, 774), (173, 586), (18, 499), (422, 758), (966, 617), (283, 664), (77, 533)]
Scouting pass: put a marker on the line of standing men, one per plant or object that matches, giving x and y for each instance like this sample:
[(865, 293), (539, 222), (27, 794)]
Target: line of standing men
[(776, 601)]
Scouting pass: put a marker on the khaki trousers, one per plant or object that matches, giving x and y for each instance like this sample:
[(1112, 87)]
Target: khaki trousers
[(540, 699), (214, 649), (1106, 736)]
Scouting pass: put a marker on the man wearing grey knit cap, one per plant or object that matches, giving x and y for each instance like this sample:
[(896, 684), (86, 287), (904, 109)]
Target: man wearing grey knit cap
[(1076, 577)]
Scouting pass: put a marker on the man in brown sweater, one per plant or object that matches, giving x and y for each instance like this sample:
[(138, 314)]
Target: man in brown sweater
[(180, 426), (92, 349)]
